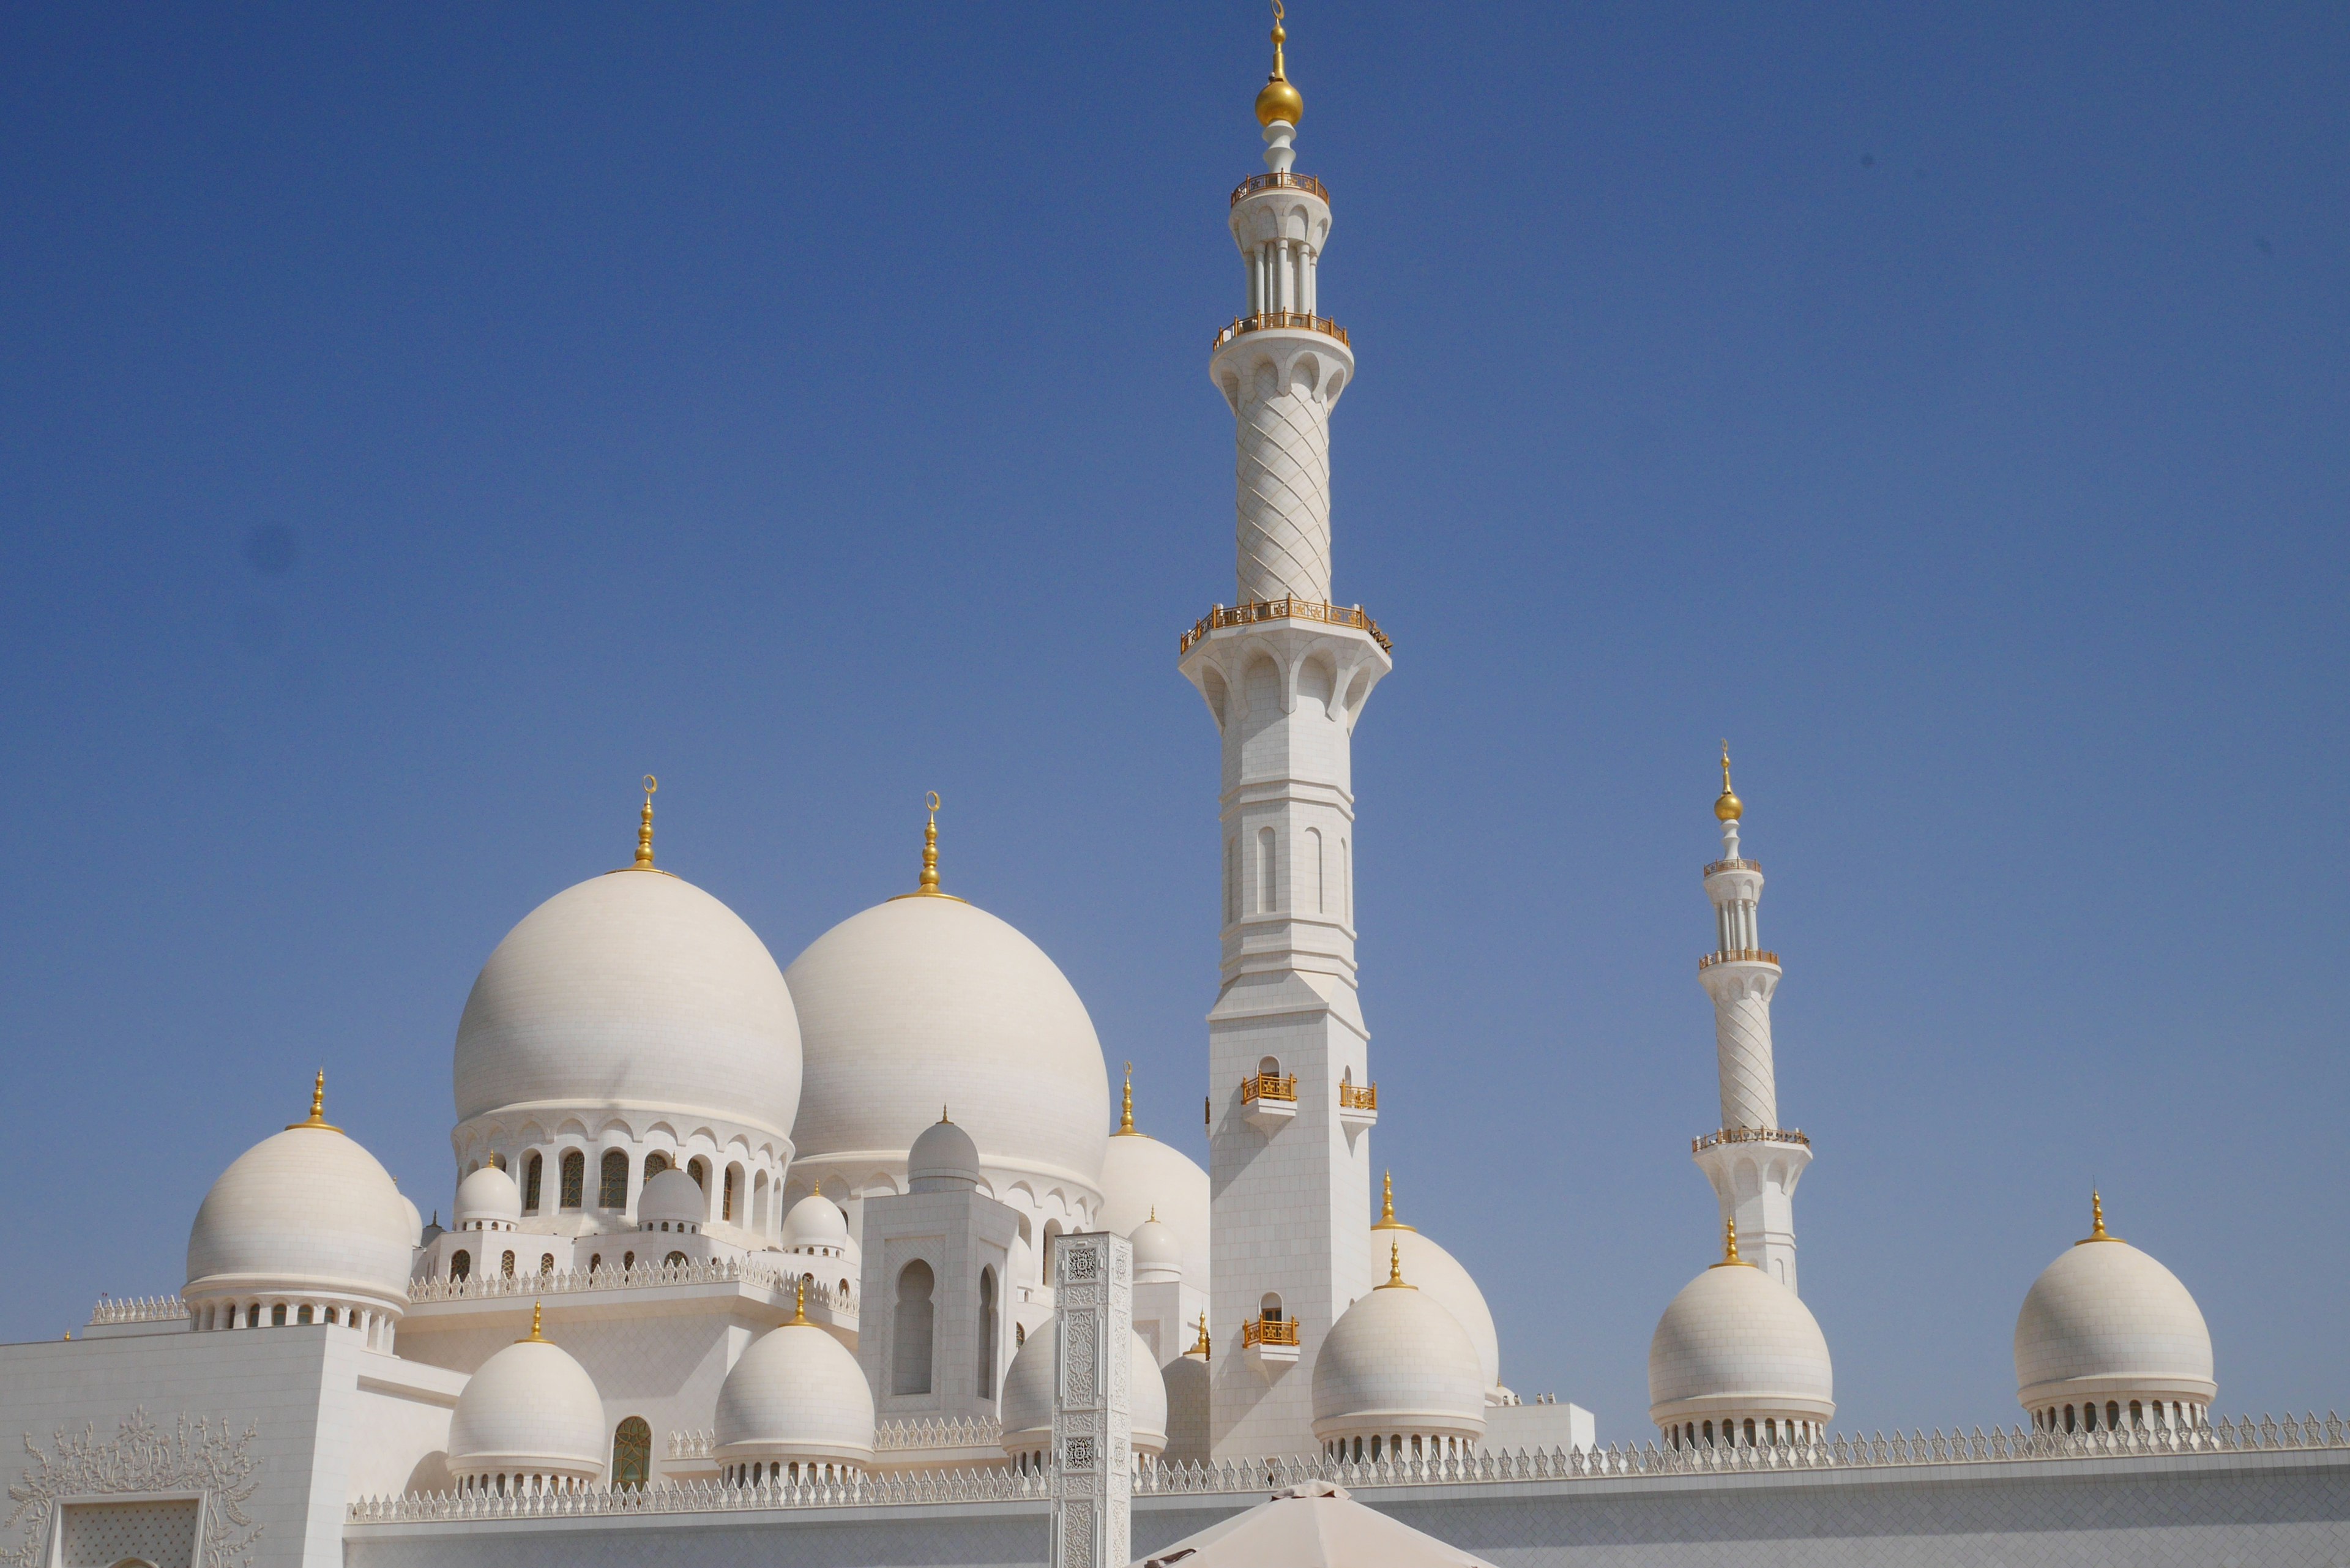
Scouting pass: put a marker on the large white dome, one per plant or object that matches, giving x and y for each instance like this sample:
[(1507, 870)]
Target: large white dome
[(306, 1212), (1397, 1363), (1737, 1344), (797, 1394), (1139, 1174), (1439, 1274), (1025, 1409), (637, 991), (530, 1410), (2106, 1319), (925, 1002)]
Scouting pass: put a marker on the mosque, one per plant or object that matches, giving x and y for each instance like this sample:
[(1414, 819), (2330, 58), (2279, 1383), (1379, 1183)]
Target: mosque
[(765, 1254)]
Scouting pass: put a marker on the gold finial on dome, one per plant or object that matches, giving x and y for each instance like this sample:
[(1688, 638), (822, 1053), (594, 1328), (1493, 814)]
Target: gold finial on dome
[(2096, 1220), (1394, 1269), (317, 1108), (645, 828), (1199, 1347), (536, 1337), (1729, 809), (1730, 1258), (928, 887), (1388, 1222), (1126, 1107), (943, 1118), (799, 1301), (1278, 100)]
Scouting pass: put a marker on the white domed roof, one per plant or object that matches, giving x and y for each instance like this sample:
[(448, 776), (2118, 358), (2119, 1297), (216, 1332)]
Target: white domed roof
[(1736, 1341), (415, 1221), (1026, 1410), (797, 1393), (1396, 1360), (1441, 1275), (2108, 1318), (305, 1210), (634, 989), (1158, 1252), (815, 1220), (488, 1194), (924, 1000), (942, 1159), (1138, 1174), (673, 1196), (531, 1409)]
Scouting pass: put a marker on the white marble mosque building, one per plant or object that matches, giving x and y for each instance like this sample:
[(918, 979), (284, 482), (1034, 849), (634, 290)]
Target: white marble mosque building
[(754, 1260)]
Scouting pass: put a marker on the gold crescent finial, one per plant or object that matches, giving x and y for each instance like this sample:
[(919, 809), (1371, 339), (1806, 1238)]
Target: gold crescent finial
[(1279, 99), (645, 826), (317, 1108), (1125, 1106)]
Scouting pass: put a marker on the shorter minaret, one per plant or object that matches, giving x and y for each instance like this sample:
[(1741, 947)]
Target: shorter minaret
[(1752, 1162)]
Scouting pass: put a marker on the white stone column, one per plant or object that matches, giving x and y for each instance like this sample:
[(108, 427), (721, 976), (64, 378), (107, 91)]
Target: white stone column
[(1093, 1424)]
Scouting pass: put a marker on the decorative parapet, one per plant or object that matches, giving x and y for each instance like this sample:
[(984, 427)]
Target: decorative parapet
[(1293, 320), (714, 1271), (137, 1309), (691, 1445), (1358, 1096), (1749, 1135), (1269, 1330), (938, 1432), (1732, 864), (1615, 1462), (1737, 955), (1268, 1087), (1280, 180), (1259, 610)]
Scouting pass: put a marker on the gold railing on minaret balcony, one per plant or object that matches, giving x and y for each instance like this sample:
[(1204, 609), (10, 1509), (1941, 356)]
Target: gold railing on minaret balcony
[(1749, 1135), (1278, 179), (1268, 1087), (1268, 1331), (1358, 1096), (1733, 866), (1738, 955), (1297, 320), (1284, 609)]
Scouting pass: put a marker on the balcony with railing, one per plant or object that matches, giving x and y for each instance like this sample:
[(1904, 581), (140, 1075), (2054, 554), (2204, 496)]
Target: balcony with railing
[(1275, 1331), (1269, 1086), (1738, 955), (1274, 320), (1733, 864), (1279, 180), (1284, 609), (1749, 1135), (1358, 1098)]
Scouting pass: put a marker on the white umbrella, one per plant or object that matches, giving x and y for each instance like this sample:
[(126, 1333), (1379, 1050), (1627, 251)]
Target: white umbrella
[(1317, 1525)]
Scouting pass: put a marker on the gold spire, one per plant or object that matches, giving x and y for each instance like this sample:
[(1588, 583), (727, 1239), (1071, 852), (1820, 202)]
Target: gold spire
[(2096, 1220), (1126, 1107), (1388, 1222), (536, 1337), (645, 826), (1729, 809), (928, 887), (943, 1112), (1730, 1258), (317, 1108), (1201, 1349), (799, 1301), (1394, 1269), (1279, 100)]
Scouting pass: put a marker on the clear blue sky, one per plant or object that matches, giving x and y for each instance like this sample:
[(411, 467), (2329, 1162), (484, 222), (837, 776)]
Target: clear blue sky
[(417, 423)]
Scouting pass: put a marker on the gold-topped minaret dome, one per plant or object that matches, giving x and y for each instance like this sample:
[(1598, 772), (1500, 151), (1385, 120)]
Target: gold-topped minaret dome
[(1729, 809), (1279, 99)]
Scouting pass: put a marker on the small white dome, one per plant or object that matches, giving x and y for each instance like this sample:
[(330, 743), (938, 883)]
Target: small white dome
[(924, 1000), (797, 1394), (1158, 1253), (306, 1211), (633, 990), (1139, 1174), (1397, 1362), (488, 1194), (415, 1221), (943, 1159), (530, 1410), (1736, 1343), (2105, 1318), (1026, 1410), (672, 1196), (1438, 1273), (815, 1220)]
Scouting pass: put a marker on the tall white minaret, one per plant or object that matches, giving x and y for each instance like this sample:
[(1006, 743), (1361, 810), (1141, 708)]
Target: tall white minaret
[(1285, 673), (1752, 1162)]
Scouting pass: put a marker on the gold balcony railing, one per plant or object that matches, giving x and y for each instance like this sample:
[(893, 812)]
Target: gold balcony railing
[(1284, 609), (1268, 1087), (1737, 955), (1278, 179), (1733, 866), (1269, 1330), (1749, 1135), (1298, 320), (1358, 1096)]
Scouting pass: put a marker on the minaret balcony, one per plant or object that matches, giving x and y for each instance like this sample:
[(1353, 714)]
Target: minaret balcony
[(1732, 864), (1270, 1345), (1272, 320), (1739, 955), (1359, 1107), (1279, 180), (1269, 1101), (1749, 1135), (1284, 609)]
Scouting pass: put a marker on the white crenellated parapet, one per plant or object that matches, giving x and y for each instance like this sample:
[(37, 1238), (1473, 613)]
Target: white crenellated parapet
[(115, 1310)]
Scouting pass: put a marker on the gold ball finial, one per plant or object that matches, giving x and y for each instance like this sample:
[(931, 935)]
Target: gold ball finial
[(799, 1299), (2096, 1220), (1125, 1106), (928, 887), (1278, 100), (1394, 1269), (317, 1108), (1730, 1258), (1729, 809), (1388, 1222), (536, 1337)]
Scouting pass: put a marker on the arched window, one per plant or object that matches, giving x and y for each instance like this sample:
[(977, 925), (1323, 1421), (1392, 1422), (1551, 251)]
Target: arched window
[(595, 1262), (987, 1333), (909, 1347), (1270, 1307), (505, 1265), (252, 1316), (700, 1170), (1309, 870), (632, 1453), (759, 1202), (1346, 884), (674, 1260), (734, 1185), (530, 1175), (655, 1163), (628, 1262), (461, 1264), (1231, 880), (614, 1192), (2113, 1414), (302, 1315), (547, 1263), (332, 1316), (575, 1178), (277, 1316), (2138, 1414), (1266, 892), (1750, 1431)]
